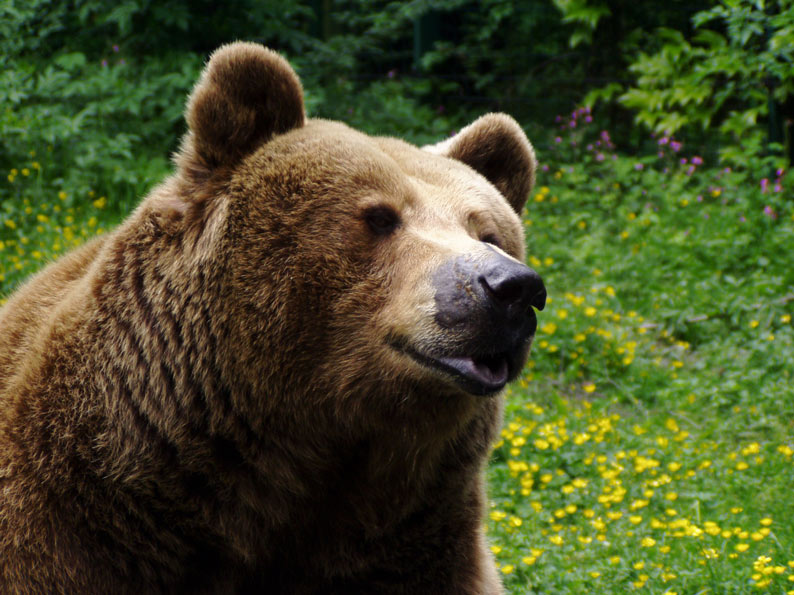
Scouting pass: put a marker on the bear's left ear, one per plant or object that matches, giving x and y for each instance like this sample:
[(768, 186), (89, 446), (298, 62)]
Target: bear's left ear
[(495, 146), (246, 95)]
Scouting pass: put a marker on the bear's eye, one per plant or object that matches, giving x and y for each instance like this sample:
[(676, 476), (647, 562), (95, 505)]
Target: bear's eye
[(490, 238), (382, 220)]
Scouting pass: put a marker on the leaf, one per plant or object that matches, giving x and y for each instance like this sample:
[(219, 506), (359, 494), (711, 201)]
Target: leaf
[(71, 61)]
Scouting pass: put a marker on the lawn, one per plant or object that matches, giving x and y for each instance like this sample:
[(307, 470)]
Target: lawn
[(649, 445)]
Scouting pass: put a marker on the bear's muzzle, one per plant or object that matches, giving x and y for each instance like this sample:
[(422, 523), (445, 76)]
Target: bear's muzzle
[(485, 320)]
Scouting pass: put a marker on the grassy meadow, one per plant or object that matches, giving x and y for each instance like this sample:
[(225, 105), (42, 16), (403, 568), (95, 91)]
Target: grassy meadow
[(649, 445)]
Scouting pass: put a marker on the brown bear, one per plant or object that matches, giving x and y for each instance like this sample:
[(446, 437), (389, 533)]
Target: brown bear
[(281, 374)]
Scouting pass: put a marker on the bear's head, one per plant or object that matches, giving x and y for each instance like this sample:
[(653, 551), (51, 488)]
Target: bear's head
[(354, 262)]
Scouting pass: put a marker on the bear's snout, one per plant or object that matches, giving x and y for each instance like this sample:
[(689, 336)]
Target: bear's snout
[(485, 320), (512, 287), (489, 290)]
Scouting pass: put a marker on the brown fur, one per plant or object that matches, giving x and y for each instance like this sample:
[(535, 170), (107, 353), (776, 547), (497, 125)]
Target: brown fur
[(204, 400)]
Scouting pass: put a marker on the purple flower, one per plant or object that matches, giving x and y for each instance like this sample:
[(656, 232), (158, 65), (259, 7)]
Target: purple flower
[(391, 74), (599, 157), (742, 219), (104, 63), (664, 140), (764, 185), (696, 160), (675, 146), (778, 187), (690, 170), (770, 212), (779, 172), (557, 139), (727, 170), (683, 161), (700, 198), (588, 118), (558, 119), (660, 154), (116, 48), (545, 167)]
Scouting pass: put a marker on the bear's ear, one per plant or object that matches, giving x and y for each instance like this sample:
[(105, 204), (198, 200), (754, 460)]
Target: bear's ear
[(495, 146), (246, 95)]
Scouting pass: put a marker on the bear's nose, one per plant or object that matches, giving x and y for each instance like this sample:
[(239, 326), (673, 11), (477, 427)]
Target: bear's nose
[(513, 286)]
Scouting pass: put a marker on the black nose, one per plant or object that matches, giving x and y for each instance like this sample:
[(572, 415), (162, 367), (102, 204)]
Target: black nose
[(513, 286)]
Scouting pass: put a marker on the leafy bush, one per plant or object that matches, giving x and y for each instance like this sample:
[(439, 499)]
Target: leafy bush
[(737, 64)]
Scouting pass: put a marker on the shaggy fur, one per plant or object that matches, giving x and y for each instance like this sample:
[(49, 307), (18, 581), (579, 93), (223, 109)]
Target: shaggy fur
[(205, 399)]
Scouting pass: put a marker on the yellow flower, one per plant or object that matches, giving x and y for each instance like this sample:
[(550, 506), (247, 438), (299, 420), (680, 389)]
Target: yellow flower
[(648, 542), (785, 318), (507, 569), (741, 547), (589, 388), (753, 323)]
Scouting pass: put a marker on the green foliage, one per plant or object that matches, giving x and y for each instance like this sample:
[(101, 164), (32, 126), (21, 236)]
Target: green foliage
[(584, 15), (648, 446), (723, 77)]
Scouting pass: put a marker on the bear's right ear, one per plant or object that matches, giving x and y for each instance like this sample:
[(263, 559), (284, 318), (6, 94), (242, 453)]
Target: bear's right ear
[(246, 95)]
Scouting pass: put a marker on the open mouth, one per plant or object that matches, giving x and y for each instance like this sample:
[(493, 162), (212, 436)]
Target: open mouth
[(479, 375)]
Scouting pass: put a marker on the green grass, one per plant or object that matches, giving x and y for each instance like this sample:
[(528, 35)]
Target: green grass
[(649, 446)]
